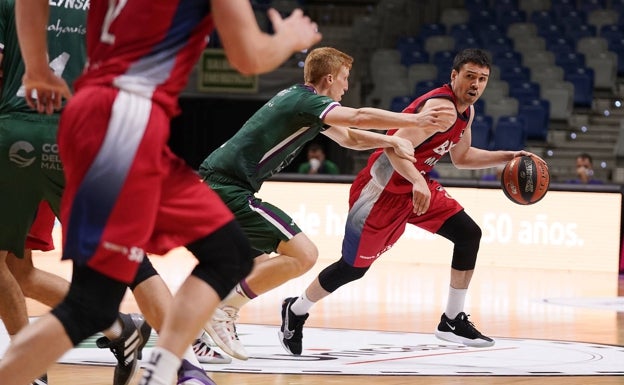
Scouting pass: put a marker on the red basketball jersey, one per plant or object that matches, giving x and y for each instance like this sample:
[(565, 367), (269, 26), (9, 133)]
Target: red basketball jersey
[(427, 154), (147, 47)]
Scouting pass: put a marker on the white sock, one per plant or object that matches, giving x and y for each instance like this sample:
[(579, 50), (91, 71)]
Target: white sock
[(455, 304), (161, 369), (302, 305), (237, 298)]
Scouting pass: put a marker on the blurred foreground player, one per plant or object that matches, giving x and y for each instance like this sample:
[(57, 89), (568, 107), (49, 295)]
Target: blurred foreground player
[(126, 193), (33, 183)]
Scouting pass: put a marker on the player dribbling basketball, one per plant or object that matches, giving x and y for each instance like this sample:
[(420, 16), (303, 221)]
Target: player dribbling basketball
[(390, 193)]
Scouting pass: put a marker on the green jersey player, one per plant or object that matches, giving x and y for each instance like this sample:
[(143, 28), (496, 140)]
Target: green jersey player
[(29, 163), (28, 150)]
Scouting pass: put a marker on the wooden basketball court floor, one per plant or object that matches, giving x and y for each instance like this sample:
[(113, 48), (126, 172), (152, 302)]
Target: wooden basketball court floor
[(409, 297)]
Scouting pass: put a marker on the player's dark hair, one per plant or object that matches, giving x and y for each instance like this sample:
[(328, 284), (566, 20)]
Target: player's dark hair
[(471, 55)]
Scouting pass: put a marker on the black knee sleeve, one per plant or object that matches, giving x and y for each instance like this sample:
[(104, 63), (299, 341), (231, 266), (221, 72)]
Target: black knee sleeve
[(92, 304), (339, 273), (145, 271), (466, 236), (225, 257)]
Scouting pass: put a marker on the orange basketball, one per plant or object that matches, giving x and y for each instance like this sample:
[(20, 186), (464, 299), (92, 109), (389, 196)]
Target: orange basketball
[(525, 179)]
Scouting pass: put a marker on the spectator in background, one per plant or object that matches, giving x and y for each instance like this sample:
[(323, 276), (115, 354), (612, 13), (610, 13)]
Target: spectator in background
[(584, 170), (317, 162)]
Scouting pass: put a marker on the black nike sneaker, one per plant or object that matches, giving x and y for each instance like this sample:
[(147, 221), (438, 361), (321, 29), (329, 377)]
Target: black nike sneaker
[(462, 331), (291, 331)]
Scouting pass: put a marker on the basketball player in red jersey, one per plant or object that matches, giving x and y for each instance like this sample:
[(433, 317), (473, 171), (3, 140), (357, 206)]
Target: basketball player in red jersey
[(390, 193), (126, 192)]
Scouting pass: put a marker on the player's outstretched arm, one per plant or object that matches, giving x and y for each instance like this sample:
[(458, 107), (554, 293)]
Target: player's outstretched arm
[(364, 140), (31, 20), (435, 118), (252, 51)]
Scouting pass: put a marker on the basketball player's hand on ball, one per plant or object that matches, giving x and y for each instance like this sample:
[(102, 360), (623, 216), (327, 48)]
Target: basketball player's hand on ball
[(525, 179), (526, 153), (45, 92), (421, 196)]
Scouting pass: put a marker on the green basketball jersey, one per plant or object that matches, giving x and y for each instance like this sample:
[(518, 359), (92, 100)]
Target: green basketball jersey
[(270, 139), (66, 48)]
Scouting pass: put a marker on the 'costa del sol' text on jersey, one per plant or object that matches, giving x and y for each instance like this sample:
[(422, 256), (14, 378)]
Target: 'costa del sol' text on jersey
[(146, 47), (270, 139), (66, 49), (427, 154)]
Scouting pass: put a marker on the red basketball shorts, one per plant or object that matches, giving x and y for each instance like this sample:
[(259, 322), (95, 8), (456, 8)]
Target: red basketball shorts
[(126, 192), (377, 219)]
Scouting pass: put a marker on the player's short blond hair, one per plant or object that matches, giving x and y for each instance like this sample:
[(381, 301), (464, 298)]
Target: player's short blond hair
[(324, 61)]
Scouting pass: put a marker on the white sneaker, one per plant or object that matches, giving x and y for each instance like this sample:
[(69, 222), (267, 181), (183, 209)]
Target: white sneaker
[(206, 354), (222, 330)]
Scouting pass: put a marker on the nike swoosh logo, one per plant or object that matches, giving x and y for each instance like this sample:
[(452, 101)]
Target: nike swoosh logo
[(451, 327), (287, 333)]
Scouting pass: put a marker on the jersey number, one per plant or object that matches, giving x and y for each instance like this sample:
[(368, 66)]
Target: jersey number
[(113, 11)]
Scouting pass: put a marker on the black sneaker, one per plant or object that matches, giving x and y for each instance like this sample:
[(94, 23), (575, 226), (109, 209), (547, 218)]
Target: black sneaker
[(291, 331), (462, 331), (128, 347), (43, 380)]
